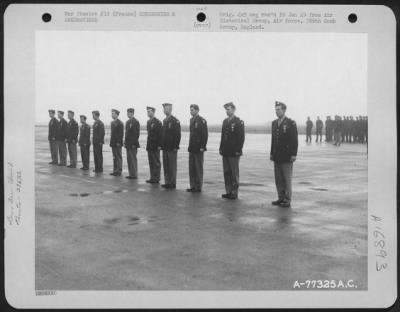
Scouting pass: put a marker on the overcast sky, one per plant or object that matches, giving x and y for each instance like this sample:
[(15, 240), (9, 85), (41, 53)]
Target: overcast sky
[(313, 73)]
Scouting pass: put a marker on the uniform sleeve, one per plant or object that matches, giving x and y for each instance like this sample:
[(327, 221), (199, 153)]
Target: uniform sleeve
[(137, 132), (294, 143), (102, 132), (158, 131), (121, 133), (75, 132), (204, 134), (272, 139), (65, 130), (222, 136), (126, 133), (88, 135), (241, 136), (177, 134)]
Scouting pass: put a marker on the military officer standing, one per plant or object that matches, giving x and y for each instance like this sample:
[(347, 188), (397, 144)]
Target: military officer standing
[(72, 139), (153, 146), (98, 141), (309, 126), (116, 142), (232, 140), (197, 147), (62, 139), (132, 132), (284, 145), (328, 129), (84, 142), (170, 140), (53, 126), (319, 124)]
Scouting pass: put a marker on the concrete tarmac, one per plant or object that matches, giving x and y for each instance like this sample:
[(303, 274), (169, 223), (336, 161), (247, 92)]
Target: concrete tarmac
[(99, 232)]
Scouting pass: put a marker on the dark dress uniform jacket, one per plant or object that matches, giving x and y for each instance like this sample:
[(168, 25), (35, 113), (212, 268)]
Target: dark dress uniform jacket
[(72, 131), (84, 137), (62, 130), (154, 133), (284, 143), (171, 134), (232, 137), (319, 124), (198, 134), (53, 128), (117, 133), (98, 132), (132, 132)]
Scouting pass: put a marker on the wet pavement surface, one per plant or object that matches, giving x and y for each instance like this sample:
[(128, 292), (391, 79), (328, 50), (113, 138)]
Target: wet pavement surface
[(99, 232)]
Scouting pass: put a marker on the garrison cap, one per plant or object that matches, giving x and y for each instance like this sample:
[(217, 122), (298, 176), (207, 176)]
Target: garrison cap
[(195, 106), (278, 103), (95, 112), (83, 117), (71, 112), (167, 104), (52, 111), (229, 104), (152, 108), (130, 110), (61, 112), (115, 111)]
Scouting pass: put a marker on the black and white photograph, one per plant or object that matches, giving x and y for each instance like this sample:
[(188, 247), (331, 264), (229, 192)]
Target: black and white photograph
[(223, 160)]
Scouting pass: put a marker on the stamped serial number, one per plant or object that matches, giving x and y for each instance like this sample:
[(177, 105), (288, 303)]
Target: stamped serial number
[(320, 284)]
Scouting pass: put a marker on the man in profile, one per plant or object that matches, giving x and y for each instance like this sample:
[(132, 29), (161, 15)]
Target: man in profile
[(171, 138), (309, 126), (98, 141), (132, 132), (84, 142), (197, 147), (52, 137), (116, 142), (62, 138), (284, 145), (231, 146), (153, 146), (72, 139), (319, 124)]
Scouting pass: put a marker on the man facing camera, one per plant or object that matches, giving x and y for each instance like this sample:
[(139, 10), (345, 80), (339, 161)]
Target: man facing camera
[(284, 146), (98, 141), (84, 143), (153, 146), (62, 138), (232, 140), (116, 142), (132, 132), (72, 139), (53, 126)]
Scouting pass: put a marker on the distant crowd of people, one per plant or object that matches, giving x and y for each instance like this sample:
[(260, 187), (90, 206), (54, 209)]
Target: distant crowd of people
[(339, 130)]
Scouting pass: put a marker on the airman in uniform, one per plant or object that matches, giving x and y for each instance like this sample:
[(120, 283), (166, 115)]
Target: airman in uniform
[(232, 140), (98, 141), (337, 130), (197, 147), (153, 146), (319, 124), (132, 133), (116, 142), (72, 139), (309, 126), (284, 145), (170, 140), (52, 137), (328, 129), (62, 138), (84, 142)]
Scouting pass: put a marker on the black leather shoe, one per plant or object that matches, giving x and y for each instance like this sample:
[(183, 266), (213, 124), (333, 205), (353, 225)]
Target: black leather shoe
[(190, 189), (172, 187), (196, 191), (165, 185), (52, 163), (285, 204), (276, 202), (117, 174), (85, 168), (131, 178), (149, 181), (225, 195), (231, 196), (112, 173)]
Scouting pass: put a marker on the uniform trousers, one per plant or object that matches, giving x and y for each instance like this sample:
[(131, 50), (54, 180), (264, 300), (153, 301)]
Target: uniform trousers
[(117, 159), (98, 156), (283, 180), (196, 161), (72, 154), (154, 164), (319, 134), (231, 174), (85, 155), (53, 151), (131, 157), (170, 166), (62, 150)]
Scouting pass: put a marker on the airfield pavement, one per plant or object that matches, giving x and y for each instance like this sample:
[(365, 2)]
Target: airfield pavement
[(99, 232)]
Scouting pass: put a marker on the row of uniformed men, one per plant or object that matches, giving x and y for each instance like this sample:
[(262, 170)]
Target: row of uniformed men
[(166, 136)]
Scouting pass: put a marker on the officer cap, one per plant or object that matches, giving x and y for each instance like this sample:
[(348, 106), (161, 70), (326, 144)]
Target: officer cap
[(195, 106), (52, 111), (95, 112), (61, 112), (83, 117), (130, 110), (71, 112), (152, 108), (230, 104), (115, 111), (167, 104), (283, 105)]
